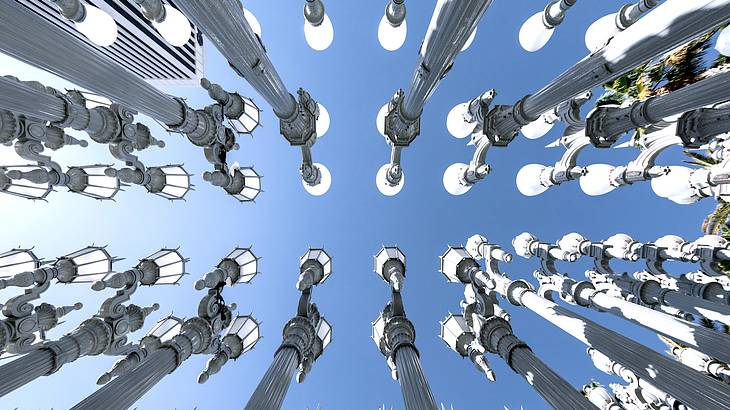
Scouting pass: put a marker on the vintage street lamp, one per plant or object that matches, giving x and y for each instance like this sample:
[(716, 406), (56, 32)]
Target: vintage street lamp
[(240, 266), (305, 337), (95, 24), (393, 27), (171, 343), (23, 188), (318, 30), (399, 121), (539, 28), (602, 30), (172, 25), (394, 334)]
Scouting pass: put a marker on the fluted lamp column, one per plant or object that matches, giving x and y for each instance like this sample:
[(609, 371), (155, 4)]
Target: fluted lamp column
[(305, 337), (395, 335)]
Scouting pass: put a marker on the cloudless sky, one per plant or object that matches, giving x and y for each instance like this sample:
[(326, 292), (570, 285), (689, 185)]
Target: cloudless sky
[(353, 79)]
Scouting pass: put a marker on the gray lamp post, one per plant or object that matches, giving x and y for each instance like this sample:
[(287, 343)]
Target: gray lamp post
[(106, 332), (305, 337), (673, 23), (49, 49), (602, 30), (584, 293), (302, 121), (692, 388), (394, 334), (393, 28), (399, 121), (172, 341), (539, 28), (484, 326)]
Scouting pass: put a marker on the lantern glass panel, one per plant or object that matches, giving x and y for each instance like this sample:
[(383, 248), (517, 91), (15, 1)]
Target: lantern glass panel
[(92, 264), (452, 328), (247, 329), (378, 329), (324, 332), (166, 328), (17, 261)]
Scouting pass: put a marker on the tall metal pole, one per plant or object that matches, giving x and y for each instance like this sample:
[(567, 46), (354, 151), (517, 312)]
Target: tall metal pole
[(272, 388)]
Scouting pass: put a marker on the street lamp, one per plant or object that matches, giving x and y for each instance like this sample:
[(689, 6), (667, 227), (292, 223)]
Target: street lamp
[(17, 261), (172, 25), (95, 24), (305, 337), (23, 188), (393, 27), (394, 334), (318, 30), (239, 266), (538, 29), (602, 30)]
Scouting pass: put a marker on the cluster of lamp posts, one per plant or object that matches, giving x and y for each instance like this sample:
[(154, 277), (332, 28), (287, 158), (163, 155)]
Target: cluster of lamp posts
[(689, 312)]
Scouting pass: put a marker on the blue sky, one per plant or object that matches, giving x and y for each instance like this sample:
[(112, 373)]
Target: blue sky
[(353, 79)]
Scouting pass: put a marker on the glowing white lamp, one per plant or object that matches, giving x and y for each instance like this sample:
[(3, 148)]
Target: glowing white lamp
[(386, 187), (598, 180), (98, 26), (454, 179), (391, 37), (456, 121), (528, 180), (534, 34), (319, 37), (324, 184), (600, 32), (175, 28), (323, 122)]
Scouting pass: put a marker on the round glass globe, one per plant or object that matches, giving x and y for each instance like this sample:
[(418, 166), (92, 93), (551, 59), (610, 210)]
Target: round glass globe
[(533, 33), (385, 187), (722, 45), (392, 38), (675, 183), (600, 31), (598, 180), (537, 128), (323, 122), (175, 28), (469, 40), (319, 37), (380, 119), (252, 21), (98, 26), (685, 200), (528, 180), (456, 123), (453, 177), (324, 184)]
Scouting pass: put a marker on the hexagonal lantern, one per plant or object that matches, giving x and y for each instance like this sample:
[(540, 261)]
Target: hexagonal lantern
[(324, 332), (17, 261), (84, 266), (249, 119), (242, 335), (22, 187), (456, 333), (164, 267), (389, 256), (91, 181), (165, 329), (247, 184), (170, 182), (319, 258), (455, 265), (246, 264), (379, 333)]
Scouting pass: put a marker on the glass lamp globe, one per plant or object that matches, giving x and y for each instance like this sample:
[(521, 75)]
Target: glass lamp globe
[(98, 26), (600, 31), (537, 128), (170, 182), (168, 264), (17, 261), (391, 38), (247, 264), (323, 122), (380, 119), (243, 333), (319, 37), (598, 180), (675, 183), (252, 21), (91, 181), (685, 199), (454, 179), (384, 186), (175, 28), (722, 45), (324, 332), (533, 33), (469, 40), (453, 330), (324, 184), (165, 329), (528, 180), (87, 265), (456, 122)]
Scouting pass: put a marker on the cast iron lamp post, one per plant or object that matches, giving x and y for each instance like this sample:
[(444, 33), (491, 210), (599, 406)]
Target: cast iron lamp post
[(393, 27), (693, 388), (95, 24), (172, 341), (106, 332), (539, 28), (302, 121), (399, 121), (394, 334), (602, 30), (305, 337), (318, 30)]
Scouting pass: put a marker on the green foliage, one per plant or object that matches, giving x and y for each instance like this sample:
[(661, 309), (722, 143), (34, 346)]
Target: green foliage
[(611, 98)]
